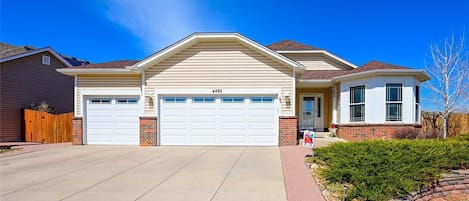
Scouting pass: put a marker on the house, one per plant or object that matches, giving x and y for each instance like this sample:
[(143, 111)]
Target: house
[(28, 75), (226, 89)]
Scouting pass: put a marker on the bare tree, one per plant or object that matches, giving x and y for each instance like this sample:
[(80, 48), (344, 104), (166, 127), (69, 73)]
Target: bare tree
[(450, 72)]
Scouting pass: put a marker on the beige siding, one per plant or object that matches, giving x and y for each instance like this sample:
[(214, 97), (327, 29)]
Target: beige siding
[(316, 61), (103, 82), (219, 65)]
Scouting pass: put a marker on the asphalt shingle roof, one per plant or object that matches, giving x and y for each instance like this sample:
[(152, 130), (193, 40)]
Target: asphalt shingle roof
[(291, 45), (329, 74)]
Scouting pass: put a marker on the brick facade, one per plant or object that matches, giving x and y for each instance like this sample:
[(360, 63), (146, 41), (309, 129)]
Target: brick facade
[(288, 131), (357, 132), (148, 131), (77, 131)]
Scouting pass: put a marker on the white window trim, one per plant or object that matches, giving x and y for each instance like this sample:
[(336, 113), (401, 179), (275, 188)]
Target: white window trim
[(418, 115), (361, 103), (386, 102), (45, 60)]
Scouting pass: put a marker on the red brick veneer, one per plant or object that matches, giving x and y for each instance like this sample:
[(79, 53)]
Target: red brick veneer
[(288, 131), (77, 131), (148, 131), (357, 132)]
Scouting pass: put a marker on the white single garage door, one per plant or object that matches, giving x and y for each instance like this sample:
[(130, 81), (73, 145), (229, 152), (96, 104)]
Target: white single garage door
[(112, 120), (219, 120)]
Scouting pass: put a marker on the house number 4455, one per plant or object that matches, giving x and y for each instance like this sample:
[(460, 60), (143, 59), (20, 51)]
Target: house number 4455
[(217, 91)]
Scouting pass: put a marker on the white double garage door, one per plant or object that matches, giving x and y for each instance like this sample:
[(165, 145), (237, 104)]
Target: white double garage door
[(187, 120)]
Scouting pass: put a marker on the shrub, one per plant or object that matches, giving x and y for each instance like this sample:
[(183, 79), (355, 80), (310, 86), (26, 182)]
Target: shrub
[(43, 107), (381, 170)]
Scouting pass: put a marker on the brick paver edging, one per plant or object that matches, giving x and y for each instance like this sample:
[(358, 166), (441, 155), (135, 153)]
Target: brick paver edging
[(299, 184)]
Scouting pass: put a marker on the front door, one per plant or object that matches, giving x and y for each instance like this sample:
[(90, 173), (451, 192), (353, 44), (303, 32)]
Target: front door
[(311, 112)]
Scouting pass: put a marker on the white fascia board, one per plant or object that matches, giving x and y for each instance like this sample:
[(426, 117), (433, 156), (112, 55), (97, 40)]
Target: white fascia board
[(321, 52), (72, 71), (37, 51), (194, 38), (421, 75)]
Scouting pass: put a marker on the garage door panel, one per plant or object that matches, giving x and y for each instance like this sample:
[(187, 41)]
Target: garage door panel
[(218, 122), (206, 126), (112, 122)]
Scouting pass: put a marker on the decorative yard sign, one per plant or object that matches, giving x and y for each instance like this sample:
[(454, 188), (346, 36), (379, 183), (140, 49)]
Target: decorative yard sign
[(308, 139)]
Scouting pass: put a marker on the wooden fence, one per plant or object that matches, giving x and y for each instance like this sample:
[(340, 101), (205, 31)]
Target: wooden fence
[(458, 123), (47, 128)]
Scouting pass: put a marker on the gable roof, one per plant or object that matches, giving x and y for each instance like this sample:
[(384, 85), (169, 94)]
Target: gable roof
[(197, 37), (368, 68), (290, 45), (10, 52)]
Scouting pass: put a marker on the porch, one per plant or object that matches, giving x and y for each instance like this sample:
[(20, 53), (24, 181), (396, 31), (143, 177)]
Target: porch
[(315, 108)]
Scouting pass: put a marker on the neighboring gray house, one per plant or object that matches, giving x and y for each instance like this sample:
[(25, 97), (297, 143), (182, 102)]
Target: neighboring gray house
[(29, 75)]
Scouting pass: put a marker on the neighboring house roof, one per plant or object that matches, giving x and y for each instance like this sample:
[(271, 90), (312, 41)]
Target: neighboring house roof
[(10, 52), (371, 67), (290, 45), (111, 64)]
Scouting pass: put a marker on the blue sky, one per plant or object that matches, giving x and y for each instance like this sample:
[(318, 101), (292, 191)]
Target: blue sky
[(398, 31)]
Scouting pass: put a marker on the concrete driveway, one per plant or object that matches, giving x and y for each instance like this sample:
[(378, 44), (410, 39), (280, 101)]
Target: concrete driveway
[(144, 173)]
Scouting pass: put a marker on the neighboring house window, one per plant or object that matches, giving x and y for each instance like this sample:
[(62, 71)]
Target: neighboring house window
[(45, 60), (417, 104), (394, 102), (357, 103)]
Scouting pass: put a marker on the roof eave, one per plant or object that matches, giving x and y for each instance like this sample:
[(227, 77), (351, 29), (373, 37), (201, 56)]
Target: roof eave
[(420, 74), (82, 71), (36, 51), (315, 82), (325, 52)]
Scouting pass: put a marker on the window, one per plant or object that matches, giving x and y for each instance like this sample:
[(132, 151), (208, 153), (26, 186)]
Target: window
[(417, 104), (100, 101), (262, 99), (127, 101), (319, 107), (45, 60), (203, 99), (357, 103), (394, 102), (174, 99), (232, 99)]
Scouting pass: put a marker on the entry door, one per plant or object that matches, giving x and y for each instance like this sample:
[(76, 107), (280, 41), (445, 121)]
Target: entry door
[(308, 113), (311, 113)]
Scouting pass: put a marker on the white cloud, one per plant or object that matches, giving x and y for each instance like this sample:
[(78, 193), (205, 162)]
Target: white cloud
[(159, 23)]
